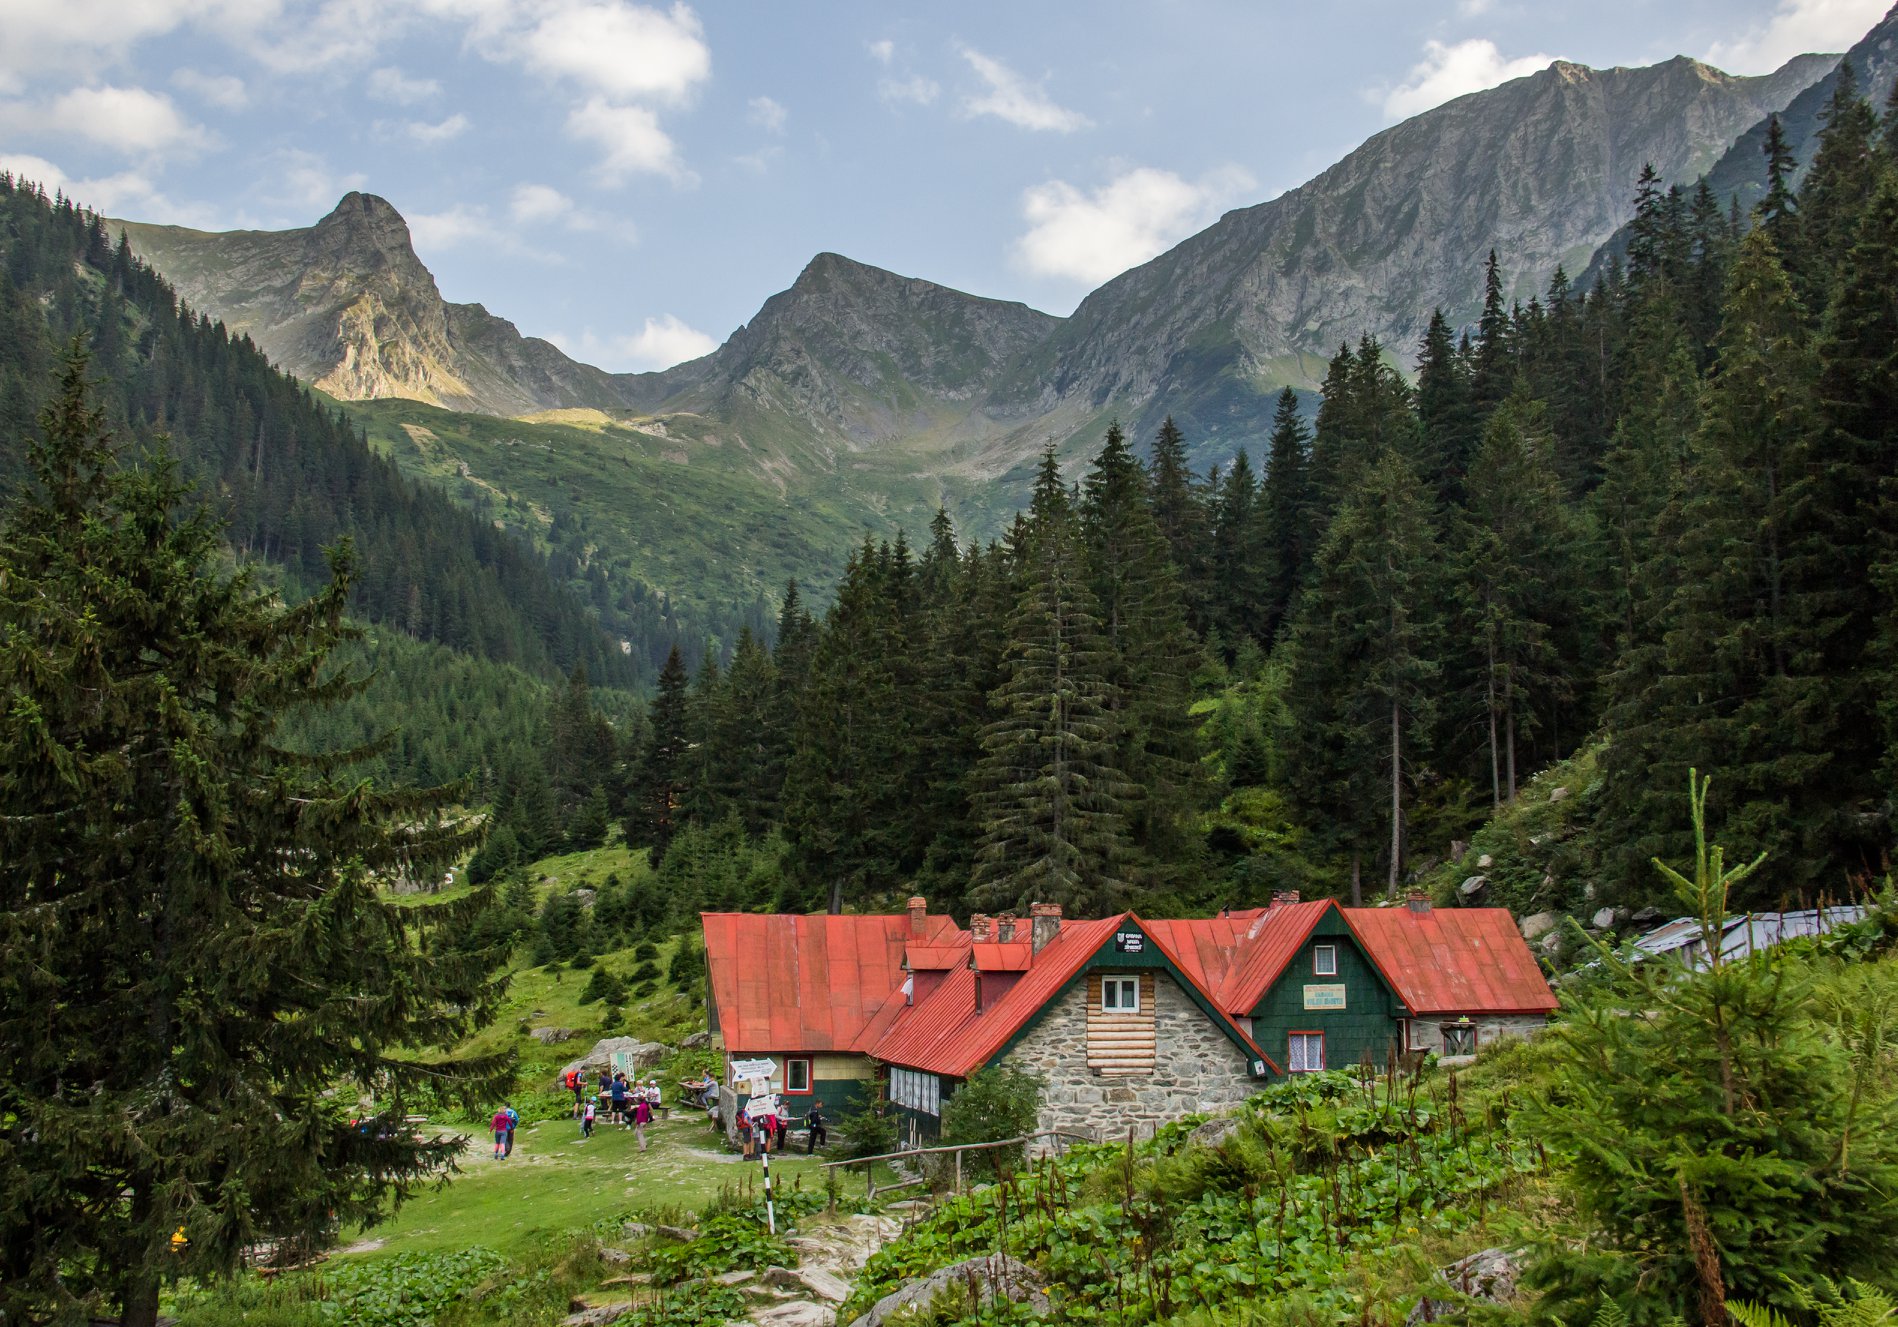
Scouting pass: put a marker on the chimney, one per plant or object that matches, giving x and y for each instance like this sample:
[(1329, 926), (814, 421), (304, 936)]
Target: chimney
[(1005, 927), (918, 909), (1045, 920), (1284, 896), (1418, 901), (979, 927)]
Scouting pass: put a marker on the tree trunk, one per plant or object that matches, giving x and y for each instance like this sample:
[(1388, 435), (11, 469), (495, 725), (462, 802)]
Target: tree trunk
[(1357, 882), (1509, 720), (1489, 693), (1397, 794), (836, 895)]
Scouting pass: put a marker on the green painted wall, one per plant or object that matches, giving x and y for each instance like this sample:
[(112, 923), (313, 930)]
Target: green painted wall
[(1368, 1022)]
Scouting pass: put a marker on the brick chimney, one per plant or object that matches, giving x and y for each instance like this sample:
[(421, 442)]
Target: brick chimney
[(918, 910), (1005, 927), (1418, 901), (1045, 920), (1280, 896), (979, 924)]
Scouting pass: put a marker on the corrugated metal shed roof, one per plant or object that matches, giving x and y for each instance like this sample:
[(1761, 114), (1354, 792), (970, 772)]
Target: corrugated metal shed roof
[(933, 957), (1239, 956), (808, 983), (1003, 955), (1453, 960), (1746, 933)]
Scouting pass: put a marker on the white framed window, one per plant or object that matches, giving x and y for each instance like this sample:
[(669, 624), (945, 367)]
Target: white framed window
[(1120, 995), (1305, 1052), (1324, 960), (1459, 1038), (916, 1091), (797, 1075)]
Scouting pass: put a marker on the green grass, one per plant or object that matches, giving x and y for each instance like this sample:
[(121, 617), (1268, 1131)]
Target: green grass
[(556, 1182)]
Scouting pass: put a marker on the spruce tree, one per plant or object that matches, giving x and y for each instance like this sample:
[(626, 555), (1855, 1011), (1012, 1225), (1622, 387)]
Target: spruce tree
[(194, 956), (1287, 514), (1237, 587), (1493, 371), (1047, 794), (1150, 655), (1364, 659), (656, 802), (1521, 574), (1180, 512), (1844, 171), (1446, 411), (1777, 212)]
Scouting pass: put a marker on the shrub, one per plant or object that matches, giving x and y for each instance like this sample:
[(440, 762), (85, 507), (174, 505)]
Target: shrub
[(994, 1103), (603, 985)]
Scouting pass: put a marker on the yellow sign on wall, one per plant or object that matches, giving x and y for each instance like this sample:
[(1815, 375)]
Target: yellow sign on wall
[(1326, 996)]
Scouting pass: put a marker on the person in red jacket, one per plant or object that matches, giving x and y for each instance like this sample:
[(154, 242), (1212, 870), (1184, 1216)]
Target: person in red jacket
[(502, 1127), (642, 1116)]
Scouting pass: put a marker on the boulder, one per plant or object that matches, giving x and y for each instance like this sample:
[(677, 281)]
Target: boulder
[(991, 1277), (809, 1281), (1484, 862), (615, 1257), (845, 1246), (645, 1054), (1215, 1131), (553, 1036), (1558, 794), (1647, 916), (1489, 1276), (585, 896), (742, 1276), (798, 1313), (605, 1313), (697, 1040), (679, 1233), (1473, 886), (1549, 945), (634, 1230), (1605, 918), (1539, 924)]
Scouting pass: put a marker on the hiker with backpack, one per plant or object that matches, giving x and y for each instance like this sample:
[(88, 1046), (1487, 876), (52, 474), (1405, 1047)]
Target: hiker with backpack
[(642, 1116), (503, 1134), (577, 1084)]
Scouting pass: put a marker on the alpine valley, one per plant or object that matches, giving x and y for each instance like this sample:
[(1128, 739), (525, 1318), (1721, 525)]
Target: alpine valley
[(857, 401)]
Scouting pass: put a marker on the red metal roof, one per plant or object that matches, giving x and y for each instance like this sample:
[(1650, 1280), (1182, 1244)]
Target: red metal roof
[(1453, 960), (932, 957), (807, 983), (1238, 957), (1003, 955), (946, 1034)]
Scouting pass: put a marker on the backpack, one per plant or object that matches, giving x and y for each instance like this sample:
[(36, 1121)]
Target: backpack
[(573, 1078)]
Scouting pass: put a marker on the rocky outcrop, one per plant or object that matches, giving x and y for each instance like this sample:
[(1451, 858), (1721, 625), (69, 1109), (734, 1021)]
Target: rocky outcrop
[(347, 306), (645, 1054), (995, 1277), (1489, 1276)]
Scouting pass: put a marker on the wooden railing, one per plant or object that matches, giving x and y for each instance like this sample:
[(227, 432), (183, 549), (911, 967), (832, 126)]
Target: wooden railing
[(869, 1163)]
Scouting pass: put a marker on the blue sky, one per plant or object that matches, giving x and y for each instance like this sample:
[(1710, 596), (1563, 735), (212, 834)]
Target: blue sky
[(633, 180)]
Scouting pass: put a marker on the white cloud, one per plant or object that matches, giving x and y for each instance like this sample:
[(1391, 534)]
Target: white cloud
[(767, 114), (338, 32), (1474, 8), (1796, 28), (85, 35), (1447, 72), (307, 185), (882, 51), (224, 90), (622, 51), (533, 203), (128, 194), (392, 85), (915, 88), (132, 120), (458, 225), (430, 134), (1091, 236), (630, 140), (1013, 98), (661, 343)]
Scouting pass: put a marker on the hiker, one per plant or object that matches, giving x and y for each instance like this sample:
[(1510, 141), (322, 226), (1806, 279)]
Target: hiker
[(576, 1084), (586, 1119), (710, 1098), (501, 1133), (744, 1130), (619, 1097), (513, 1123), (781, 1126), (642, 1116), (819, 1135)]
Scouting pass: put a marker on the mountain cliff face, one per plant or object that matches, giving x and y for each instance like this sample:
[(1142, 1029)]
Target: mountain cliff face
[(853, 360), (348, 307), (1740, 171), (1541, 169)]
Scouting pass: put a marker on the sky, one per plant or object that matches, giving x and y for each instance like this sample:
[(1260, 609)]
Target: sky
[(632, 180)]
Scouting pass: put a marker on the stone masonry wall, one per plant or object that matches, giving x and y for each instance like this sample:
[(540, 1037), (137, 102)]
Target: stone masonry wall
[(1196, 1068), (1426, 1034)]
